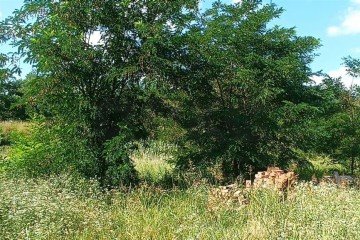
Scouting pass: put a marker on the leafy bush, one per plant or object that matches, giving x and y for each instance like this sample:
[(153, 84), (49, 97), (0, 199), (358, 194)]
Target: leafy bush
[(318, 166), (47, 150), (121, 170), (52, 149), (10, 90)]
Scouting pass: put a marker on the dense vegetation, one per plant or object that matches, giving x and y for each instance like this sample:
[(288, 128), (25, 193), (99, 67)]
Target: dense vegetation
[(232, 91), (168, 97), (11, 106), (66, 208)]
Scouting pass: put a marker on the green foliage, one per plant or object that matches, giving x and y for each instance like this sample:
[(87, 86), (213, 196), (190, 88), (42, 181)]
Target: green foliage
[(318, 166), (120, 170), (232, 90), (10, 92), (336, 128), (48, 150), (98, 88), (246, 91), (217, 95)]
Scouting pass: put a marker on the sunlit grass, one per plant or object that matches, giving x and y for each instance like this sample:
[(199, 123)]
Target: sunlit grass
[(69, 208), (10, 126), (7, 128), (320, 166), (153, 161)]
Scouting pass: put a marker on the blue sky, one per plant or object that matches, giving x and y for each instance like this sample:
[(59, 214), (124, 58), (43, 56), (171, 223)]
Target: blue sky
[(335, 22)]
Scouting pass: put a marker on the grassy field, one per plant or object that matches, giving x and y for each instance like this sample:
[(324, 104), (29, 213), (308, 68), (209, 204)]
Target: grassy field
[(69, 207), (64, 207)]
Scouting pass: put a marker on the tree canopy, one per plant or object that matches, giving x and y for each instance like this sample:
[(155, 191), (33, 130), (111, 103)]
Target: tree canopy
[(246, 88), (238, 86)]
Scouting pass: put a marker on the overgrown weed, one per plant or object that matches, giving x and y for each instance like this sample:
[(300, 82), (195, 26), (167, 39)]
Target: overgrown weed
[(65, 207)]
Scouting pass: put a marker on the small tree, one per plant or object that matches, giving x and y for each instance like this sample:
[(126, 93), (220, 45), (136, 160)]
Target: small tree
[(336, 130), (350, 141)]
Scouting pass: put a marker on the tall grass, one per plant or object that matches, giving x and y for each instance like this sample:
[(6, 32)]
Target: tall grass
[(70, 207), (154, 160), (9, 127), (65, 207)]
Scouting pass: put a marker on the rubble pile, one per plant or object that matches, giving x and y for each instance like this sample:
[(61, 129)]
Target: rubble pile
[(236, 196), (273, 178), (227, 196), (340, 180)]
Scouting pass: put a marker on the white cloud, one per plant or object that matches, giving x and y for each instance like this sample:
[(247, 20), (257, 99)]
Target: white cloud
[(200, 4), (340, 72), (345, 77), (350, 22), (236, 1), (1, 14), (316, 79), (171, 26)]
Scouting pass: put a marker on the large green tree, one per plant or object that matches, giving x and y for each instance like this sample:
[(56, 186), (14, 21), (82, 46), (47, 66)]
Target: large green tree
[(238, 85), (104, 92), (246, 89)]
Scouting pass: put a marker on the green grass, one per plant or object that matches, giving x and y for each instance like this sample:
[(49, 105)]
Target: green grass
[(319, 167), (64, 207), (69, 207), (153, 160)]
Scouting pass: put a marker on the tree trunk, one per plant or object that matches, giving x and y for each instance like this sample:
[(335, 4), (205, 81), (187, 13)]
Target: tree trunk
[(102, 170), (235, 168)]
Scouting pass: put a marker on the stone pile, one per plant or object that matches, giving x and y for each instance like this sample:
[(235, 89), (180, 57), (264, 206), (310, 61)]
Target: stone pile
[(231, 196), (340, 180), (273, 178), (235, 196)]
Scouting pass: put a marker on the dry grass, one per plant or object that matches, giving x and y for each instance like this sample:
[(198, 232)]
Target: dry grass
[(11, 126), (66, 208)]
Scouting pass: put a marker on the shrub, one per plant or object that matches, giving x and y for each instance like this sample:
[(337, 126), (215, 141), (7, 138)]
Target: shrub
[(49, 150), (53, 149)]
